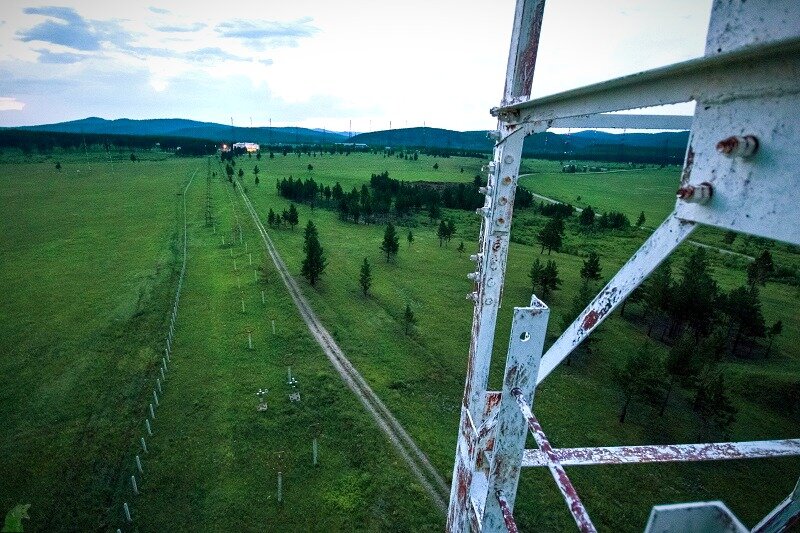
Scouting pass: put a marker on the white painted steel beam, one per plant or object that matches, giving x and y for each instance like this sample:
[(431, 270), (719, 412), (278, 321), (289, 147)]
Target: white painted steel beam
[(528, 331), (623, 121), (784, 516), (656, 248), (699, 517), (754, 70), (665, 453)]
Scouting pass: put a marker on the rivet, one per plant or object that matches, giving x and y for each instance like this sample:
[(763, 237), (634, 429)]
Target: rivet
[(501, 220), (488, 301), (508, 159), (503, 200), (507, 180), (738, 146), (697, 194)]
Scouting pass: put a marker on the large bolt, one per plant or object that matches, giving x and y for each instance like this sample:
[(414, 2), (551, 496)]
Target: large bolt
[(485, 190), (473, 276), (476, 257), (697, 194), (507, 180), (472, 296), (738, 146), (482, 211)]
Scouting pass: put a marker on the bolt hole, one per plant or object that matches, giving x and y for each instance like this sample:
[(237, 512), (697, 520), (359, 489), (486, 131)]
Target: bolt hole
[(525, 337)]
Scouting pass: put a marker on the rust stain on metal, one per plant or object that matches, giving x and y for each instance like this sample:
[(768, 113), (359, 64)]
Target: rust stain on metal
[(527, 61), (591, 319), (497, 244), (508, 517)]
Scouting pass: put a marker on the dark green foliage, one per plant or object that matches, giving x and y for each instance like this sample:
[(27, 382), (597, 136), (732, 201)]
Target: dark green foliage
[(241, 173), (314, 263), (271, 217), (410, 238), (759, 270), (714, 404), (743, 309), (409, 320), (58, 166), (293, 218), (586, 217), (255, 172), (696, 294), (556, 210), (544, 277), (310, 167), (550, 236), (641, 379), (773, 331), (613, 220), (133, 157), (461, 247), (436, 166), (441, 231), (590, 271), (365, 277), (640, 220), (391, 242)]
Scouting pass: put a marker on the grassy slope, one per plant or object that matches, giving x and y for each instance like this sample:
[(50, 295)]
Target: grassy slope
[(421, 376), (86, 271), (212, 464)]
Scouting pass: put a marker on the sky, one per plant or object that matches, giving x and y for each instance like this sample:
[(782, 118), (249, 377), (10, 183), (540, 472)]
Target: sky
[(350, 65)]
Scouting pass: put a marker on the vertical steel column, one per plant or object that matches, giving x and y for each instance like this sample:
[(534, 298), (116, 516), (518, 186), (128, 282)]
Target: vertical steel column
[(528, 331), (493, 250)]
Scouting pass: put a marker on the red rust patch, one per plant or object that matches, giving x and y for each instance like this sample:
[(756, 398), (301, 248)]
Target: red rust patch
[(591, 319)]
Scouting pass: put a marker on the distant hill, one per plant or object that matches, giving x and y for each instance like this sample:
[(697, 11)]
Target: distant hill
[(176, 127), (666, 147), (583, 145)]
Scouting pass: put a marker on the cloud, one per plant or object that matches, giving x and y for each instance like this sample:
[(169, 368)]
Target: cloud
[(59, 58), (269, 31), (72, 30), (178, 28), (160, 10), (8, 103), (266, 61), (212, 54)]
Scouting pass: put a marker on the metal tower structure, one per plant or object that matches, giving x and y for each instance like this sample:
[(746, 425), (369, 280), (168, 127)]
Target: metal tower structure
[(740, 173)]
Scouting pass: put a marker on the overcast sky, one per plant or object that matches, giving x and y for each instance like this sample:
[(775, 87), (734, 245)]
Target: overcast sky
[(315, 63)]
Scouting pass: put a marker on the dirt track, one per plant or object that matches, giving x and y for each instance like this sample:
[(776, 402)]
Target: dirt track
[(417, 461)]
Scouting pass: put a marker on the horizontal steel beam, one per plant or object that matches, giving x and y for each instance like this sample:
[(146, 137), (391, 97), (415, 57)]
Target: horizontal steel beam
[(621, 121), (664, 453), (743, 72)]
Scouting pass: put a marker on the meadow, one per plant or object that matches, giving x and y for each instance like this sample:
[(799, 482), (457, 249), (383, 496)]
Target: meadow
[(89, 265)]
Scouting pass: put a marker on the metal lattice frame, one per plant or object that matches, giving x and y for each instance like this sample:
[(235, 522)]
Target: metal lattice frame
[(739, 174)]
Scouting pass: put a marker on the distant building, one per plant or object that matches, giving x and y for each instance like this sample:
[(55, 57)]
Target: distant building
[(247, 147)]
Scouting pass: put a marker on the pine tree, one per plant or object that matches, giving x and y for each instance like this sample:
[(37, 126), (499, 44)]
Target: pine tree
[(536, 274), (314, 263), (461, 247), (271, 218), (586, 217), (241, 173), (410, 238), (441, 231), (409, 319), (255, 173), (365, 279), (640, 220), (391, 242), (550, 280), (551, 235), (293, 217), (451, 230), (642, 378), (590, 271)]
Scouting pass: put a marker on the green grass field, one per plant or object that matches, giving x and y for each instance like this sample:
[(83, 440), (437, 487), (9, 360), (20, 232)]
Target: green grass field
[(89, 266)]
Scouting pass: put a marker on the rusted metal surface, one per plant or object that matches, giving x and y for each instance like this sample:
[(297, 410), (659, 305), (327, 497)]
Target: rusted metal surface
[(528, 331), (508, 516), (699, 194), (491, 261), (664, 453), (785, 517), (738, 146), (708, 517), (563, 482), (524, 50), (660, 244)]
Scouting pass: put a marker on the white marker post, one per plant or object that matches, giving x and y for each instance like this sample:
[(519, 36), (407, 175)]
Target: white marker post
[(273, 327), (314, 450), (280, 487), (250, 256), (155, 397), (163, 377), (144, 445), (139, 465), (152, 413), (234, 266), (255, 276), (147, 425), (249, 340), (127, 512), (158, 385), (133, 485), (262, 298)]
